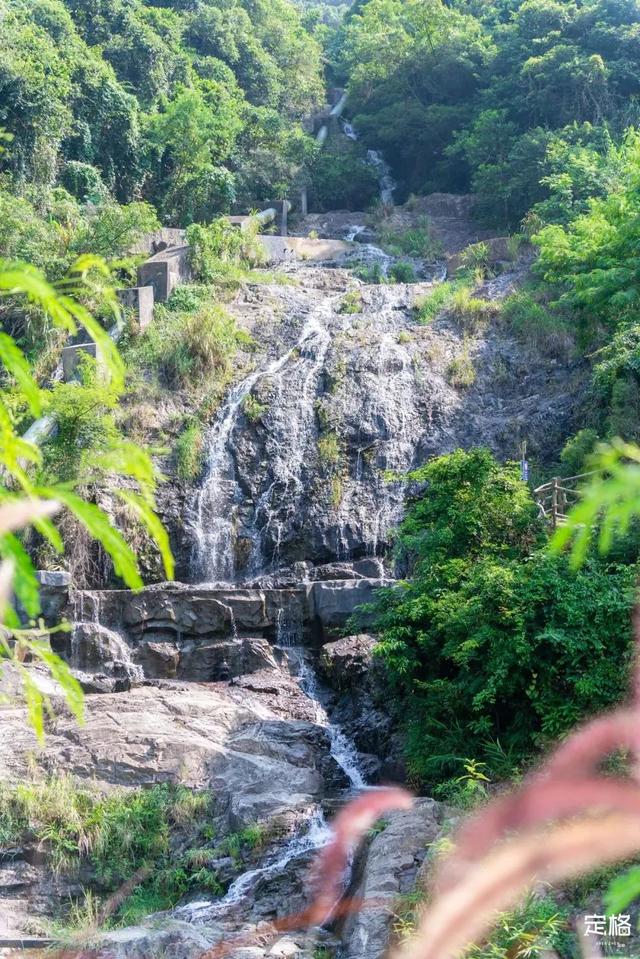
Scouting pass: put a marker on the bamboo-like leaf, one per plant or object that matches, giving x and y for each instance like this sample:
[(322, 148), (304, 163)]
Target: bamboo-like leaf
[(15, 362), (101, 528), (108, 350), (608, 503), (34, 702), (26, 281), (146, 514), (7, 569), (62, 674), (26, 583), (53, 536), (128, 459)]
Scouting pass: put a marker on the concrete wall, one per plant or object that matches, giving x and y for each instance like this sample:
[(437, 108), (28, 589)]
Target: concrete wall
[(165, 271), (281, 248), (71, 357), (140, 299), (153, 243)]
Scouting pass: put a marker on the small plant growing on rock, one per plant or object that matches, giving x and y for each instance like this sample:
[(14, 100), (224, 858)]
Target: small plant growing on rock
[(370, 274), (461, 371), (403, 272), (351, 302), (471, 310), (253, 409), (329, 449), (477, 256), (189, 449)]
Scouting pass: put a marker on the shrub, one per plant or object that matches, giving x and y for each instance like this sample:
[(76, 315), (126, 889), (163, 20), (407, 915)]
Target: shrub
[(189, 349), (461, 371), (416, 241), (491, 638), (329, 449), (351, 302), (403, 273), (190, 298), (110, 837), (534, 324), (477, 257), (253, 409), (217, 248), (577, 451), (371, 273), (432, 304)]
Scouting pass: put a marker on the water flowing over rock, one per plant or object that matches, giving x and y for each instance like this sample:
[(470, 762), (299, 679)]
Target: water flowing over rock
[(349, 403)]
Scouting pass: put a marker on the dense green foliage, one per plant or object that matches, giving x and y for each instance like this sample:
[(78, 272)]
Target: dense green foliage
[(498, 646), (516, 100), (180, 104)]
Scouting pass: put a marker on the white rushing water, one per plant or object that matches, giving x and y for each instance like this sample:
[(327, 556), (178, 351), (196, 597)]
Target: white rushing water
[(316, 832), (214, 518), (386, 181)]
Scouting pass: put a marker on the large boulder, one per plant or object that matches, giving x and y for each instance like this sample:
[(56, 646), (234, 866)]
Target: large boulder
[(333, 602), (257, 764), (349, 663), (386, 869)]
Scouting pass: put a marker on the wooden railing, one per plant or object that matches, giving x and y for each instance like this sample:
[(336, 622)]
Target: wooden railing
[(556, 498)]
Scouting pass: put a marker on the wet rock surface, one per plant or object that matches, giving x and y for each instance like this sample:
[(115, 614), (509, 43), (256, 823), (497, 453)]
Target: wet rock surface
[(363, 704), (386, 869), (243, 684), (352, 390)]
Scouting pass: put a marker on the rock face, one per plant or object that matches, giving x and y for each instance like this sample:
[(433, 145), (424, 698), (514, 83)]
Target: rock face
[(216, 685), (258, 763), (349, 394), (205, 635), (386, 870)]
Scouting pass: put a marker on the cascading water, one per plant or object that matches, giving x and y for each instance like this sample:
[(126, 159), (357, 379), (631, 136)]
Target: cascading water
[(316, 833), (293, 378), (386, 181), (342, 748), (376, 160)]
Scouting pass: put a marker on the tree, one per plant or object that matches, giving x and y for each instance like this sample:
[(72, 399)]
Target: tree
[(491, 640)]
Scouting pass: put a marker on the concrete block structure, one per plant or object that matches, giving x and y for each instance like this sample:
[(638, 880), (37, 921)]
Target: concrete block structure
[(165, 271), (140, 299), (71, 357)]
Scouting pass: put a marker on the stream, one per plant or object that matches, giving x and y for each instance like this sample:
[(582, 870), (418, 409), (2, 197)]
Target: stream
[(316, 832)]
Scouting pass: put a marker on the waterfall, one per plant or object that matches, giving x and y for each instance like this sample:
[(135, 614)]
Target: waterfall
[(293, 378), (342, 748), (375, 160), (386, 181)]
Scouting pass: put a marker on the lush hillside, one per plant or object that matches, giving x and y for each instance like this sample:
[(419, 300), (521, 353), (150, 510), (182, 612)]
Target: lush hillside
[(188, 106), (517, 101)]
